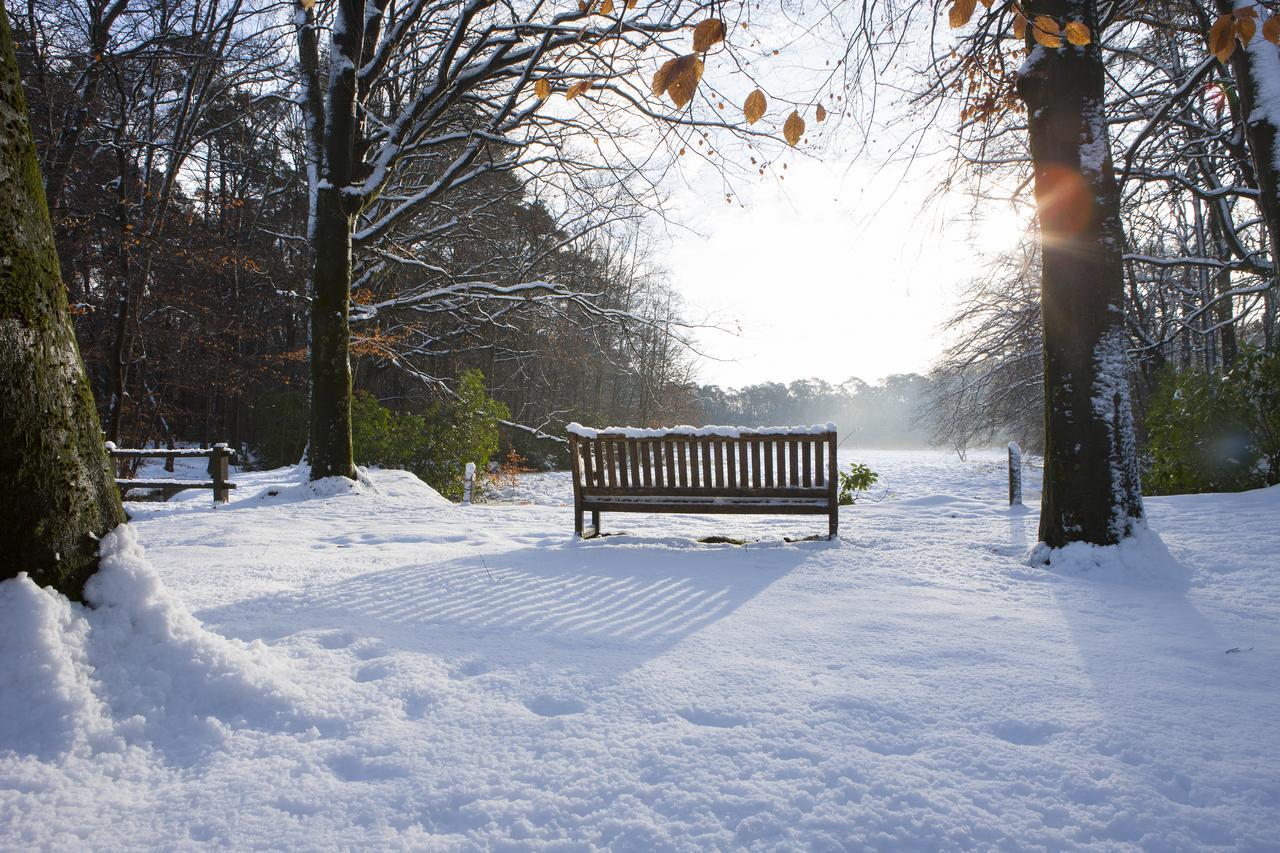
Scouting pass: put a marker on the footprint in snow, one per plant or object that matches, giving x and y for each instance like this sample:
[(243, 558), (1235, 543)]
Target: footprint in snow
[(893, 747), (1024, 732), (370, 651), (469, 669), (372, 672), (337, 640), (417, 704), (712, 719), (555, 706), (353, 767)]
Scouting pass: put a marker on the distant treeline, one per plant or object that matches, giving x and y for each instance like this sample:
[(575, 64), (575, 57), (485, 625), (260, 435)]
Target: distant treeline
[(885, 415)]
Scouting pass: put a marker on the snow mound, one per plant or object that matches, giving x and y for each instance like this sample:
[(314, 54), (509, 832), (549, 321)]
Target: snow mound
[(47, 704), (136, 669), (381, 482), (403, 484), (1139, 559)]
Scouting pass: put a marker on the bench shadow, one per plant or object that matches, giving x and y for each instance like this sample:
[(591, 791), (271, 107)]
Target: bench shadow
[(541, 603)]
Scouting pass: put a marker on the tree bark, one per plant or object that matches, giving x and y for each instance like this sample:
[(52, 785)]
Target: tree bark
[(1260, 131), (330, 435), (59, 496), (1091, 486)]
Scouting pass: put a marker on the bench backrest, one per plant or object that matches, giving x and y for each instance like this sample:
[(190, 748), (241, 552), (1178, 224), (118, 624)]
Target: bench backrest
[(721, 462)]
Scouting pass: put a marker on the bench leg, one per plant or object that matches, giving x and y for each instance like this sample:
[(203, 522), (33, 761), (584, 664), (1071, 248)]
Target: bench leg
[(595, 522), (577, 522), (833, 524)]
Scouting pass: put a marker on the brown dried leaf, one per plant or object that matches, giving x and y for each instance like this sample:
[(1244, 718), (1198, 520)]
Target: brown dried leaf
[(1045, 31), (662, 77), (684, 79), (1019, 26), (1271, 29), (307, 4), (707, 35), (1222, 38), (606, 8), (961, 12), (755, 106), (1077, 33), (577, 89), (822, 113), (1246, 12), (679, 78), (1245, 28), (542, 88), (793, 128)]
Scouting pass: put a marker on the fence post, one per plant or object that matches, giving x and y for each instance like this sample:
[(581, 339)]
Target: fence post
[(220, 458), (468, 483), (1015, 474)]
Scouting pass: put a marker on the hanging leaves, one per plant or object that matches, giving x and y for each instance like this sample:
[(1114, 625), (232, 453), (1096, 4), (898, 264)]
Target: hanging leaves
[(1271, 29), (754, 106), (606, 8), (793, 128), (306, 4), (707, 35), (1245, 28), (822, 113), (577, 89), (1019, 26), (1045, 31), (678, 78), (961, 12), (542, 89), (1222, 37), (1077, 33)]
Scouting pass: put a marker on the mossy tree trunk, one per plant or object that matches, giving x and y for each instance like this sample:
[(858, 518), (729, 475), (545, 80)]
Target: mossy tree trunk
[(1091, 488), (58, 495)]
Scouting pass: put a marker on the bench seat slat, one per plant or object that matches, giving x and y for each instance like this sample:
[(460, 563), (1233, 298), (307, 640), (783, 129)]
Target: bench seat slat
[(708, 508), (667, 491)]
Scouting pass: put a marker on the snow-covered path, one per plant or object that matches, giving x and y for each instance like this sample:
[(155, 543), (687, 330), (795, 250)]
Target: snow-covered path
[(473, 677)]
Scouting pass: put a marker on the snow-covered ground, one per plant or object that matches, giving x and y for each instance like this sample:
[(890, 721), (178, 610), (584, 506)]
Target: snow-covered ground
[(375, 668)]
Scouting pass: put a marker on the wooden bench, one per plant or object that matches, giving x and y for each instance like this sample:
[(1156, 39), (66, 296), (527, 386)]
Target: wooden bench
[(705, 470), (219, 457)]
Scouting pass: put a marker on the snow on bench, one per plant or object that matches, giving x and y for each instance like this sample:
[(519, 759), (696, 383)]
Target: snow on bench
[(219, 457), (712, 469)]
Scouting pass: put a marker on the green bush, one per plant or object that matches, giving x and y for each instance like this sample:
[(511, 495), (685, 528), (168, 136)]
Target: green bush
[(859, 478), (1215, 432), (434, 445)]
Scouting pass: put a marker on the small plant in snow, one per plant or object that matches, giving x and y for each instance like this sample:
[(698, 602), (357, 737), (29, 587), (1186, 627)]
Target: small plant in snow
[(859, 478)]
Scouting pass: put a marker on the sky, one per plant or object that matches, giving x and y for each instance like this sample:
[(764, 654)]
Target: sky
[(841, 269)]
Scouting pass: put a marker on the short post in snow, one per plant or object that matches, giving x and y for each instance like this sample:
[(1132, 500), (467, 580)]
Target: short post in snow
[(1015, 474), (468, 483), (219, 467)]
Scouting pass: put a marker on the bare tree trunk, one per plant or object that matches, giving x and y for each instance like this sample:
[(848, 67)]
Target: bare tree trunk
[(1260, 132), (330, 437), (59, 497), (1091, 489)]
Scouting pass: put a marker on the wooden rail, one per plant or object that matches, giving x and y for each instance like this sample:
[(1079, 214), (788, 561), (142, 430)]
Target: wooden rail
[(739, 471), (219, 457)]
